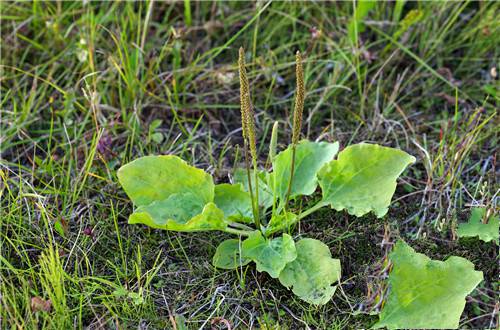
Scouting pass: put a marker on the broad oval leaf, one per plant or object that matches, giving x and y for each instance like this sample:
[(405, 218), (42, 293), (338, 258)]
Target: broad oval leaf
[(180, 207), (228, 255), (234, 202), (270, 255), (159, 215), (476, 227), (170, 194), (309, 159), (154, 178), (265, 192), (211, 218), (425, 293), (363, 178), (312, 274)]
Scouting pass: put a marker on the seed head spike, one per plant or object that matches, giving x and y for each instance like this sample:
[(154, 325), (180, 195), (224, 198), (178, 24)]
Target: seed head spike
[(299, 99), (247, 114), (248, 126), (244, 91)]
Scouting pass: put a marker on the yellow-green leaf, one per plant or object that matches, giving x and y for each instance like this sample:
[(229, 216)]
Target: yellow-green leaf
[(356, 25), (234, 202), (312, 274), (228, 255), (280, 222), (170, 194), (265, 192), (309, 159), (173, 216), (211, 218), (155, 178), (425, 293), (179, 207), (363, 178), (476, 227), (270, 255)]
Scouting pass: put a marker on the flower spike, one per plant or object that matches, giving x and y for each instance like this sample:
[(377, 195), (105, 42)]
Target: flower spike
[(299, 99)]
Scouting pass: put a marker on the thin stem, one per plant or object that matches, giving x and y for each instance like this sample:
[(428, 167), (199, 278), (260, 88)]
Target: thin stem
[(304, 214), (275, 197), (256, 178), (290, 182), (313, 209), (238, 231), (241, 226), (249, 178)]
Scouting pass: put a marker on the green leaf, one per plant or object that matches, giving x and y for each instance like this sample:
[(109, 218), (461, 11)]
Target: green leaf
[(170, 194), (228, 255), (475, 227), (234, 201), (152, 135), (274, 141), (265, 192), (120, 292), (412, 17), (363, 178), (61, 227), (425, 293), (492, 90), (356, 25), (311, 275), (157, 137), (211, 218), (176, 213), (179, 207), (270, 255), (398, 8), (154, 178), (136, 297), (180, 322), (309, 159), (280, 222)]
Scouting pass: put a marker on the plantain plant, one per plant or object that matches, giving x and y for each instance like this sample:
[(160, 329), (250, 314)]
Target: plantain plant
[(259, 206)]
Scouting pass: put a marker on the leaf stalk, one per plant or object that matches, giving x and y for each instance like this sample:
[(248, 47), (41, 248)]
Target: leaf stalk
[(238, 231)]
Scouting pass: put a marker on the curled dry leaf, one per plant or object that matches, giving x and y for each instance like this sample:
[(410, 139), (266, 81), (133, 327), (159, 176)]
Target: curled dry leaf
[(40, 305), (219, 320)]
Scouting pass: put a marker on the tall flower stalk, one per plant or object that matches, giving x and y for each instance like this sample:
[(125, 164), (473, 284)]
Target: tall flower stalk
[(248, 127), (297, 116)]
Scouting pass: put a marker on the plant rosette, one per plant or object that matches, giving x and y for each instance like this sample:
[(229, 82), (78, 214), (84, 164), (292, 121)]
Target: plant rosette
[(170, 194), (258, 207)]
